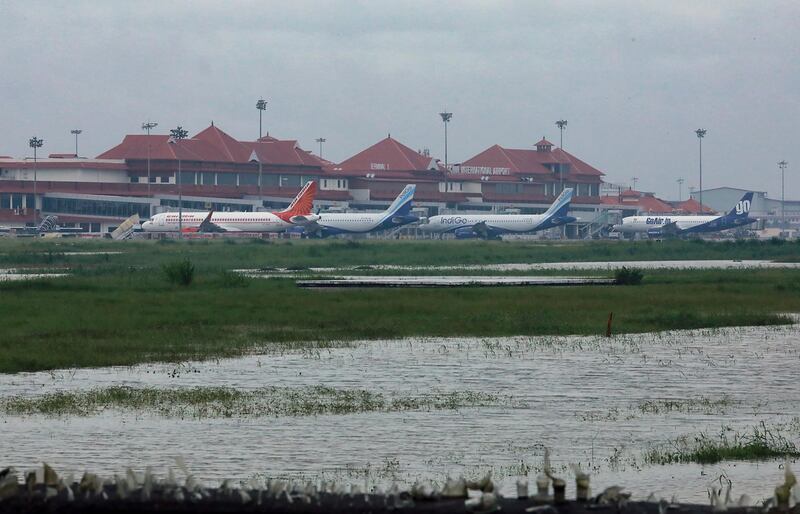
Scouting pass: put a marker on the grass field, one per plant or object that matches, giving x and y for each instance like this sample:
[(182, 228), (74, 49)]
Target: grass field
[(245, 253), (121, 310)]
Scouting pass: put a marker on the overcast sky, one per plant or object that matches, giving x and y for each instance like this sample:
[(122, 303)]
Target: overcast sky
[(633, 79)]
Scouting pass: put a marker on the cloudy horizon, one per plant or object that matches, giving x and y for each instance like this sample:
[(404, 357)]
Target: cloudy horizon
[(633, 79)]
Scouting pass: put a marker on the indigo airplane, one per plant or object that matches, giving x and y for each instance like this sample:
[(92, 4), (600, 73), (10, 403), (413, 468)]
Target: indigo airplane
[(328, 224), (238, 221), (658, 226), (490, 226)]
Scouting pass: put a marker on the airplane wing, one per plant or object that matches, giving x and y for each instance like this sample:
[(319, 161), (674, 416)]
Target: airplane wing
[(672, 228), (207, 226), (481, 229), (304, 219)]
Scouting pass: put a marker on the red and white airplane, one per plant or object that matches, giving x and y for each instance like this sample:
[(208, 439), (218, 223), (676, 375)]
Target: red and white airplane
[(298, 210)]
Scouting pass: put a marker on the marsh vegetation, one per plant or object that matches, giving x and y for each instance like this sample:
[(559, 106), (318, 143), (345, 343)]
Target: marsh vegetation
[(227, 402)]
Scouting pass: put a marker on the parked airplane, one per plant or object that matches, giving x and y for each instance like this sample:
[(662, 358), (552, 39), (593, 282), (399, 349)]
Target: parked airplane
[(493, 225), (327, 224), (677, 225), (238, 221)]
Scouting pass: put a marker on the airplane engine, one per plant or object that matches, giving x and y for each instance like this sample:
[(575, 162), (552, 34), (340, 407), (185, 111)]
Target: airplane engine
[(465, 233)]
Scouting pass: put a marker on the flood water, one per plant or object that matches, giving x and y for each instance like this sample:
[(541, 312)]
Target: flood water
[(548, 266), (578, 396), (12, 274)]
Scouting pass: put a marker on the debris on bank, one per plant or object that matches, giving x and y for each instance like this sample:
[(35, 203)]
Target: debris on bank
[(42, 490)]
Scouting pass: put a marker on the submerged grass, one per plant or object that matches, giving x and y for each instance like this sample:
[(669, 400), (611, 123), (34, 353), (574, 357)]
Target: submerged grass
[(761, 443), (226, 402)]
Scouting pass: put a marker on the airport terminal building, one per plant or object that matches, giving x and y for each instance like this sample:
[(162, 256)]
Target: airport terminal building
[(141, 176)]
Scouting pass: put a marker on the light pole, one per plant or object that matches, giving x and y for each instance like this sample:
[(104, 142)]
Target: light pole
[(261, 105), (76, 132), (260, 181), (146, 127), (178, 134), (680, 188), (35, 143), (782, 165), (561, 124), (701, 133), (634, 180), (446, 117), (320, 140)]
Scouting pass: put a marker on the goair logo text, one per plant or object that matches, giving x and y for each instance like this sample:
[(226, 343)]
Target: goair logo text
[(743, 207), (657, 221)]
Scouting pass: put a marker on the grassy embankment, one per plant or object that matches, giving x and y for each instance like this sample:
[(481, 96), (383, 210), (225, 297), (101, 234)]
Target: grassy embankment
[(227, 254), (137, 316)]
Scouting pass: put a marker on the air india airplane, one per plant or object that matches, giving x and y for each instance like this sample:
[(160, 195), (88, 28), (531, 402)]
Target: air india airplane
[(300, 208)]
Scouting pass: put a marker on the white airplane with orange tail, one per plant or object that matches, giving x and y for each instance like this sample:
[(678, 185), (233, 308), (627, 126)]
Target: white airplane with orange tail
[(299, 209)]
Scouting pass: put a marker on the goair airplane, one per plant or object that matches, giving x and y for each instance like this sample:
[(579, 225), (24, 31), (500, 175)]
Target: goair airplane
[(489, 226), (397, 215), (238, 221), (677, 225)]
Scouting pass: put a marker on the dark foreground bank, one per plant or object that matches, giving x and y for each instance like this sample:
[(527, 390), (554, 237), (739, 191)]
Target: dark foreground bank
[(44, 491)]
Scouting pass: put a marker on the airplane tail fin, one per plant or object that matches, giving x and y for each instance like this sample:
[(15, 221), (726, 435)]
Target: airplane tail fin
[(561, 205), (303, 203), (742, 207), (401, 206)]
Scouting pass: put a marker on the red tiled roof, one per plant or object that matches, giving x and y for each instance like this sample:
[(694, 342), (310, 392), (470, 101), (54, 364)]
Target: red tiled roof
[(387, 155), (544, 142), (644, 202), (61, 164), (526, 162), (692, 206), (231, 149), (281, 152), (213, 145)]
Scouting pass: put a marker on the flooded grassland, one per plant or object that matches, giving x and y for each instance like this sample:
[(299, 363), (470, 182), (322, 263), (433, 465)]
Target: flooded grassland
[(667, 412)]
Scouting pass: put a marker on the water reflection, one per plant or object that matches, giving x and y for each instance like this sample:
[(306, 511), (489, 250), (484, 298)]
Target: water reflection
[(586, 398)]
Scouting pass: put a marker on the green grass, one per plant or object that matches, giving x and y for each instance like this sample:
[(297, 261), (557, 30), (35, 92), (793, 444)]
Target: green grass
[(136, 315), (246, 253), (761, 443), (225, 402), (122, 310)]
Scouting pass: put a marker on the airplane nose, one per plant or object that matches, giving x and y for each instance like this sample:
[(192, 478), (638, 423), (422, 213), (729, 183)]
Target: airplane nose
[(146, 225)]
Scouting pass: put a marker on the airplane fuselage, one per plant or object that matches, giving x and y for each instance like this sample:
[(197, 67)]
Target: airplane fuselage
[(229, 221), (683, 224), (444, 223), (360, 222)]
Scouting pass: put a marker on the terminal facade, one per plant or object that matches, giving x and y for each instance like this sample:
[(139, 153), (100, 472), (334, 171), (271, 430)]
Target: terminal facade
[(140, 176)]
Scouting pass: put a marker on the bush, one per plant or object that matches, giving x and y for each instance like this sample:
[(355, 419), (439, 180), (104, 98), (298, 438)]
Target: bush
[(180, 272), (628, 276)]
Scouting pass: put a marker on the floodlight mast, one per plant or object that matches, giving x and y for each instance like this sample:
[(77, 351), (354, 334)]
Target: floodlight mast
[(782, 165), (177, 135), (261, 105), (147, 127), (35, 143), (76, 133), (561, 124), (446, 117), (701, 133)]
